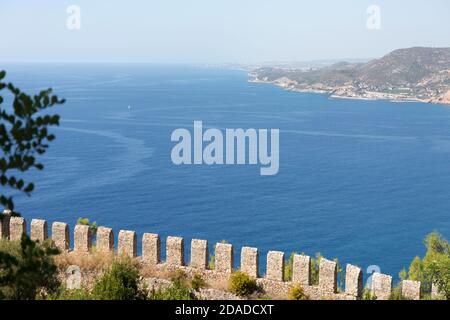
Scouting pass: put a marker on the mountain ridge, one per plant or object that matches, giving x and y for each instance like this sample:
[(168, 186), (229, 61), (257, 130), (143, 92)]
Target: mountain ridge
[(408, 74)]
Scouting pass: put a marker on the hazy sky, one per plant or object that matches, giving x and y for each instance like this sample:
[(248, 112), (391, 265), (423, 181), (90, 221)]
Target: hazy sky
[(210, 31)]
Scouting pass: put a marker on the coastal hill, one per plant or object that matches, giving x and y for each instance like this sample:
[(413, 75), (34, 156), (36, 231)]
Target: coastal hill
[(419, 73)]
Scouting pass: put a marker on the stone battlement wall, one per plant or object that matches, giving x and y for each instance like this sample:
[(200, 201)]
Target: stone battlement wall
[(272, 282)]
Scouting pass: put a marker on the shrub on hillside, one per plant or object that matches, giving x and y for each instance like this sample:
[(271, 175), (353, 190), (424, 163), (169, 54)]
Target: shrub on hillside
[(368, 295), (27, 269), (197, 282), (397, 294), (177, 290), (119, 282), (296, 292), (71, 294), (242, 284)]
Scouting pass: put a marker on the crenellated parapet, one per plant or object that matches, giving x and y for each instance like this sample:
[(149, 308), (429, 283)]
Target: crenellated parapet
[(272, 282)]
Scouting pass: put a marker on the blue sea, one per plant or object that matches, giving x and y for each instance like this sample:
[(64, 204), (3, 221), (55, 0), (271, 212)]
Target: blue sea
[(362, 181)]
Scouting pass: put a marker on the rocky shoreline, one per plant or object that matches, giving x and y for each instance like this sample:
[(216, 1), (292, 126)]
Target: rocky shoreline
[(417, 74), (348, 92)]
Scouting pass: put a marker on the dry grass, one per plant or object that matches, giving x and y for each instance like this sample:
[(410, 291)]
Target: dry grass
[(158, 271), (94, 261), (162, 271)]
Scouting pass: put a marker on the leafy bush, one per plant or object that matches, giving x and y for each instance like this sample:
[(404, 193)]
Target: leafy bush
[(178, 289), (242, 284), (440, 273), (71, 294), (368, 295), (27, 269), (119, 282), (288, 267), (197, 282), (397, 294), (433, 268), (296, 293)]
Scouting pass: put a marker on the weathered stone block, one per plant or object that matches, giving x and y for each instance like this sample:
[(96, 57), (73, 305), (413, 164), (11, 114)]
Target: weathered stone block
[(328, 275), (175, 251), (275, 265), (60, 235), (105, 240), (82, 238), (353, 281), (17, 227), (73, 277), (5, 217), (411, 289), (39, 230), (199, 254), (301, 270), (151, 248), (224, 258), (127, 244), (381, 286), (249, 261)]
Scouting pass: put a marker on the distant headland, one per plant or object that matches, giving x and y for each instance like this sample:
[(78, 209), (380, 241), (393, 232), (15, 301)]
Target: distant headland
[(412, 74)]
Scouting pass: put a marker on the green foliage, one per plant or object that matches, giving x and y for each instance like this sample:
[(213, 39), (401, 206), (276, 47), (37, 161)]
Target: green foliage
[(296, 292), (434, 267), (197, 282), (212, 262), (27, 269), (23, 136), (416, 270), (242, 284), (288, 267), (85, 222), (70, 294), (403, 275), (397, 294), (119, 282), (368, 295), (178, 289), (340, 275), (315, 263)]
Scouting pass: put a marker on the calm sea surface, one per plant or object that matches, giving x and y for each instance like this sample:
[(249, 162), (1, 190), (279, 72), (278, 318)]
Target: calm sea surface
[(364, 181)]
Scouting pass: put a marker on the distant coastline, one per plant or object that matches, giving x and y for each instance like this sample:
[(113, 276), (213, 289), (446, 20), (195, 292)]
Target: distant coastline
[(405, 75), (368, 96)]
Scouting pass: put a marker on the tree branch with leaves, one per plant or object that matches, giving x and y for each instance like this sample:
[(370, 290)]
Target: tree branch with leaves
[(24, 135)]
